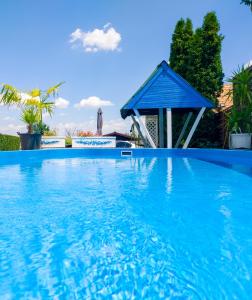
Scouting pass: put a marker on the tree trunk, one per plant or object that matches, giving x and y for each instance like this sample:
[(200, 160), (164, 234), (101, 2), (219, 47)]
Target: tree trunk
[(29, 128)]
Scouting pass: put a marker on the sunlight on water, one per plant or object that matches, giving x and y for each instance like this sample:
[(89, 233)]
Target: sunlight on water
[(145, 228)]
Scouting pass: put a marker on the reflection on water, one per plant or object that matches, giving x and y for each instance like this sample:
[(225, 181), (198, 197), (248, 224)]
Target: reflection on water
[(169, 175)]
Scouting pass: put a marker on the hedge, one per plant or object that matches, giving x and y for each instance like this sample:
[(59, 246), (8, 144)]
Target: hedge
[(9, 142)]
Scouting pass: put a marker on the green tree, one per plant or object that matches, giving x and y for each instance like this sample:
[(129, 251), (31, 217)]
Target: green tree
[(195, 61), (180, 47), (199, 62), (196, 56), (206, 73), (248, 3), (180, 50)]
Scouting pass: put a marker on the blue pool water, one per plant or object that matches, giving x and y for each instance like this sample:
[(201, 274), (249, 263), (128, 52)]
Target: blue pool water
[(116, 228)]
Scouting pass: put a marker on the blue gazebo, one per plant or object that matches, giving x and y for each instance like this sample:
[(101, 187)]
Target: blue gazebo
[(165, 89)]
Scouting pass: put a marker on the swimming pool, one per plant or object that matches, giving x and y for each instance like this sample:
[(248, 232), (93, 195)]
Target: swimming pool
[(90, 224)]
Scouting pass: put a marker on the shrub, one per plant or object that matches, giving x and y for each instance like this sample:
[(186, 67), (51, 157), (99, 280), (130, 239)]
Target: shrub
[(50, 132), (9, 142), (84, 133)]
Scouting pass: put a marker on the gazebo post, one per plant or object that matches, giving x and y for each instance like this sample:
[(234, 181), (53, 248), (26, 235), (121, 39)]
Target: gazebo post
[(196, 122), (139, 131), (183, 129), (161, 127), (169, 128), (144, 128)]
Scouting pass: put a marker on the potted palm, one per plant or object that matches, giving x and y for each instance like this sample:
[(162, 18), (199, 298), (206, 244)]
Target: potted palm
[(30, 140), (33, 105), (239, 119)]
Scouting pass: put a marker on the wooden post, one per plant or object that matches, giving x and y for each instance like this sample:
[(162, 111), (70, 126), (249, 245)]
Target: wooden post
[(183, 129), (144, 128), (169, 128), (139, 131), (194, 128), (161, 128)]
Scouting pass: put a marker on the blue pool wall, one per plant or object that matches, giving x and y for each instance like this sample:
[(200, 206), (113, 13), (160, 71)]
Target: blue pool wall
[(243, 157)]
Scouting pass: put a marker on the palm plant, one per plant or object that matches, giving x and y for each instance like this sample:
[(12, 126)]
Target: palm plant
[(30, 116), (34, 102), (248, 3), (239, 118)]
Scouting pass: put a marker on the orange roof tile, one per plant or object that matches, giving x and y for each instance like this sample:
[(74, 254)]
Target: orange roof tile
[(225, 100)]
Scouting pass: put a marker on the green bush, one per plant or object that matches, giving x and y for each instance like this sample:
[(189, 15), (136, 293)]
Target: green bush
[(9, 142)]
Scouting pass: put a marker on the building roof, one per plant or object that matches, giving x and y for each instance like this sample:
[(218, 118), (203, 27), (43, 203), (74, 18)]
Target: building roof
[(119, 135), (164, 89), (225, 100)]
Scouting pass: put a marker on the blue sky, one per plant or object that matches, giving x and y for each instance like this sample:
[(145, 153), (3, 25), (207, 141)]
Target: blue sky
[(108, 64)]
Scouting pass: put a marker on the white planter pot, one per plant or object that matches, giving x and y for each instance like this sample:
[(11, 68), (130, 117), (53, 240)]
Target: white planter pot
[(240, 141)]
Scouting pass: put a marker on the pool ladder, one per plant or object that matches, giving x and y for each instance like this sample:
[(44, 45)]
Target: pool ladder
[(126, 153)]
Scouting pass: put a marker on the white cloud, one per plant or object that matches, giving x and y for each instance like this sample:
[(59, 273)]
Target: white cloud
[(119, 125), (61, 103), (105, 39), (93, 101), (13, 128), (7, 118)]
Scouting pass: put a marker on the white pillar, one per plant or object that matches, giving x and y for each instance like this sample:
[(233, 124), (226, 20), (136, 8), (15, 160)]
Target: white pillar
[(144, 128), (183, 129), (139, 130), (196, 122), (161, 127), (169, 128)]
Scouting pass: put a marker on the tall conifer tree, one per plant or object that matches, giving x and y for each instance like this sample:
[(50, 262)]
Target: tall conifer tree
[(180, 47), (198, 60), (197, 56), (211, 66), (206, 76)]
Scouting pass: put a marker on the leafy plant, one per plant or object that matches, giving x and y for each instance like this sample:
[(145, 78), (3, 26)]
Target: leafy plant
[(41, 127), (32, 103), (68, 141), (30, 116), (50, 132), (240, 117), (69, 133)]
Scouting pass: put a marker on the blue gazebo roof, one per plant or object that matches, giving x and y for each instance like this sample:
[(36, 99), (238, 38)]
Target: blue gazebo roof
[(164, 89)]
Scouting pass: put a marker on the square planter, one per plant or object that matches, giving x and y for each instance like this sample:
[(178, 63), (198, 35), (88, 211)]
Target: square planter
[(240, 141), (30, 141)]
